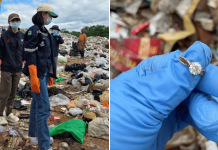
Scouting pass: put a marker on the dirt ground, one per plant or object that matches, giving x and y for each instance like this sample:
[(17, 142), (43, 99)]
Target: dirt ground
[(89, 142)]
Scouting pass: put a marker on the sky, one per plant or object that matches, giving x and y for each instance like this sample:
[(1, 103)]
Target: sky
[(72, 14)]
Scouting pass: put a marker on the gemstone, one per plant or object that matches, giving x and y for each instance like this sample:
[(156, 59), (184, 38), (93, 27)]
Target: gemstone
[(195, 68)]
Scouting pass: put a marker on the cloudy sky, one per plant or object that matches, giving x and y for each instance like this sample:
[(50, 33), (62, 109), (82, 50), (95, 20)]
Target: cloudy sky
[(72, 14)]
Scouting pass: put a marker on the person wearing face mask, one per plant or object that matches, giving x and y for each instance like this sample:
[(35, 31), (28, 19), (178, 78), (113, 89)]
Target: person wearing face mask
[(57, 39), (40, 67), (11, 57)]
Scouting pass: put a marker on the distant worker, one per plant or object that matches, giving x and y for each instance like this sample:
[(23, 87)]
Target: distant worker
[(11, 57), (82, 43), (3, 30), (57, 39)]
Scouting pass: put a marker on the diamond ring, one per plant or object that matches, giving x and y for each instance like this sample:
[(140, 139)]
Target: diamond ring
[(194, 67)]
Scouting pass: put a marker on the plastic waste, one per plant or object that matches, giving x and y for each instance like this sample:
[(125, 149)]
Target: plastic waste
[(82, 102), (76, 127), (104, 98), (59, 99), (210, 145), (100, 61), (34, 140), (75, 111), (60, 79), (60, 69), (76, 84), (99, 128), (72, 104), (89, 114), (62, 59), (25, 92), (51, 126)]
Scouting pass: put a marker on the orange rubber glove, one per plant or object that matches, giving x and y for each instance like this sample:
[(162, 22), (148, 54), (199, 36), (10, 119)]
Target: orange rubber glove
[(51, 81), (34, 80)]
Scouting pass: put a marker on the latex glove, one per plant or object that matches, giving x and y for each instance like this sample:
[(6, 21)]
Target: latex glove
[(55, 34), (35, 84), (145, 100), (51, 81)]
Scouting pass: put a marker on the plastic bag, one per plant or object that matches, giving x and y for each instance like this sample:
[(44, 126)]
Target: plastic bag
[(76, 127), (60, 79), (62, 59), (105, 104), (59, 99), (99, 127), (104, 97), (75, 111), (82, 102), (89, 114), (72, 104), (100, 61), (60, 69), (76, 84), (89, 75)]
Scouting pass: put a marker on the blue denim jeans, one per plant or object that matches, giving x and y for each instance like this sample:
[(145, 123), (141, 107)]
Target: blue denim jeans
[(39, 114)]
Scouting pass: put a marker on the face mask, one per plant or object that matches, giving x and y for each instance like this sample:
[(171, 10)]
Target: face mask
[(48, 21), (55, 31), (15, 25)]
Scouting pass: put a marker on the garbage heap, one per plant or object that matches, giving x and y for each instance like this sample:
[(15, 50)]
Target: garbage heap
[(79, 101), (178, 23)]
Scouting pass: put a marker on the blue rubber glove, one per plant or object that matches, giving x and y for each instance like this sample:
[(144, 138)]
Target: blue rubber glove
[(55, 34), (144, 100)]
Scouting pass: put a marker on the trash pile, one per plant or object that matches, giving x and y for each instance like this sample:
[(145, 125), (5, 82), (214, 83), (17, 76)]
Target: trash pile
[(189, 139), (79, 100)]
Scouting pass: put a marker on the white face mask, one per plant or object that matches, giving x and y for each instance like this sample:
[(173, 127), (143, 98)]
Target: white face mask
[(48, 21), (15, 25), (54, 31)]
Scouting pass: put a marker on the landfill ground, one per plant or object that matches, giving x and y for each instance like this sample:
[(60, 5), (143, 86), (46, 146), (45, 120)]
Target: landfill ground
[(90, 143)]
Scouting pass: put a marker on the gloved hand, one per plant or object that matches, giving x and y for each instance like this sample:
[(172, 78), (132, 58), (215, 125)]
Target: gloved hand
[(145, 101), (35, 84), (55, 34), (51, 81)]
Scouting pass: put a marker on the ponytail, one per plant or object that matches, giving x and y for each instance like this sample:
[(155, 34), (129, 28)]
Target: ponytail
[(9, 27)]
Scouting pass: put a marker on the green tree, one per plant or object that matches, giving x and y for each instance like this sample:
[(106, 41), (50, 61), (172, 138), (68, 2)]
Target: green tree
[(95, 30)]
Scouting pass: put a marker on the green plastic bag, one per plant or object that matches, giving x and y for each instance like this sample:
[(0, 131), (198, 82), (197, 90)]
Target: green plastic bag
[(60, 79), (75, 126)]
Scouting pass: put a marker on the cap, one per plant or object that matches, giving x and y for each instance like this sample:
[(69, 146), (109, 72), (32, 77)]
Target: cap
[(55, 27), (47, 8), (13, 16)]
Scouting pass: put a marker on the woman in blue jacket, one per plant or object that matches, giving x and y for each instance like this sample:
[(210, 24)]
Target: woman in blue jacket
[(40, 66)]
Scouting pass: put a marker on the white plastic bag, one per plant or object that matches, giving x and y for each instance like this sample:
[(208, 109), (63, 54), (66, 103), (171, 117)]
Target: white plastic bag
[(100, 61), (76, 84), (59, 99), (60, 69), (75, 111), (82, 102), (62, 59), (99, 127)]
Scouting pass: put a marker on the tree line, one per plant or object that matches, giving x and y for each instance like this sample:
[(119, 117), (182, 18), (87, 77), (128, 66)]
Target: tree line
[(95, 30)]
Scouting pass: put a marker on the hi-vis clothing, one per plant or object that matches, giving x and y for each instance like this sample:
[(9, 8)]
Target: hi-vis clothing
[(38, 47)]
